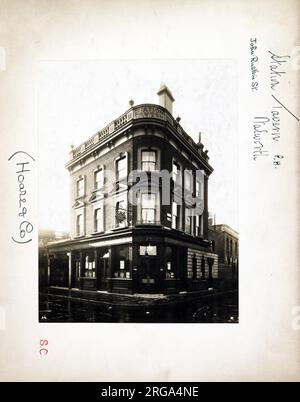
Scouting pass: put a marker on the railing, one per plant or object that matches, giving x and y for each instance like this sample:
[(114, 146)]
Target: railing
[(137, 112), (122, 217)]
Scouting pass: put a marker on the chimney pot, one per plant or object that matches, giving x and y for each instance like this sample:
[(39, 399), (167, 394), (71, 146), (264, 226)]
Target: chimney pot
[(165, 98)]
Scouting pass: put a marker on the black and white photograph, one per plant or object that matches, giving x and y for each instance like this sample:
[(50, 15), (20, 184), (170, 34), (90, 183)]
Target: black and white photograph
[(135, 230), (149, 194)]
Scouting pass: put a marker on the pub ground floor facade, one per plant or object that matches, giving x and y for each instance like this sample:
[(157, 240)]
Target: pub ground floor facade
[(136, 261)]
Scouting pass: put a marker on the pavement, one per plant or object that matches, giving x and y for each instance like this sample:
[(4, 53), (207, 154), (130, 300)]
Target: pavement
[(110, 308), (135, 300)]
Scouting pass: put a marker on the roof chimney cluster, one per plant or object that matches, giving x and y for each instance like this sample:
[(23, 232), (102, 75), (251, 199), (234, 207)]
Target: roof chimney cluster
[(165, 98)]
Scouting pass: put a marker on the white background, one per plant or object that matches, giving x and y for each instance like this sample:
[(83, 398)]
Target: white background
[(264, 345)]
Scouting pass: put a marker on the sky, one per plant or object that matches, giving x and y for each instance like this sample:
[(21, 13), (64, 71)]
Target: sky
[(78, 98)]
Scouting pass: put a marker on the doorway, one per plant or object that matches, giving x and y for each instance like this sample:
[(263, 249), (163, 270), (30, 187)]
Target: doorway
[(102, 274), (149, 277), (103, 270)]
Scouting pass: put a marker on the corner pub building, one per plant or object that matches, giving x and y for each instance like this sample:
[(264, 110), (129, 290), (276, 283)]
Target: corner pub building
[(118, 247)]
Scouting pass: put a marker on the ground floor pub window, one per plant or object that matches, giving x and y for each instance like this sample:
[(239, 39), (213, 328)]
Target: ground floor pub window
[(194, 267), (170, 268), (90, 266), (122, 268), (77, 268), (203, 268)]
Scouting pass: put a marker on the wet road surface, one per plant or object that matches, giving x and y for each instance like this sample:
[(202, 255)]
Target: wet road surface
[(213, 309)]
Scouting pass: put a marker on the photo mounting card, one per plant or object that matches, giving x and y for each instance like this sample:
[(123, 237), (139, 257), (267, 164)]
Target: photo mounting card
[(150, 162)]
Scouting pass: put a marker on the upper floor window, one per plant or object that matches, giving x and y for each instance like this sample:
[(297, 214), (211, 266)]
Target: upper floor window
[(198, 189), (175, 215), (121, 168), (99, 179), (148, 208), (176, 172), (149, 161), (188, 181), (199, 225), (188, 221), (80, 187), (120, 214), (79, 225), (98, 220)]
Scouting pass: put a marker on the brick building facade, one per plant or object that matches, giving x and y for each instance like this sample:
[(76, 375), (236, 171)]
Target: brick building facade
[(150, 245), (226, 245)]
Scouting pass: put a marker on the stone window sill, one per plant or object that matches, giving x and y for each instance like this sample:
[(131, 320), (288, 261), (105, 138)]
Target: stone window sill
[(97, 233)]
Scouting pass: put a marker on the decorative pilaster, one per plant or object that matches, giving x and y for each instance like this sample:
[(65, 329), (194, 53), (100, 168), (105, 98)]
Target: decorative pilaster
[(205, 212), (109, 270), (70, 269), (80, 273), (96, 263), (48, 269)]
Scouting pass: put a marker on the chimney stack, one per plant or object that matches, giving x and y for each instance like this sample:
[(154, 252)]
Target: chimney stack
[(165, 98)]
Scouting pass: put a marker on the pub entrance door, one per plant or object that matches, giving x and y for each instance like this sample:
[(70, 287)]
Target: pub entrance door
[(149, 275), (103, 270), (75, 278), (59, 271)]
